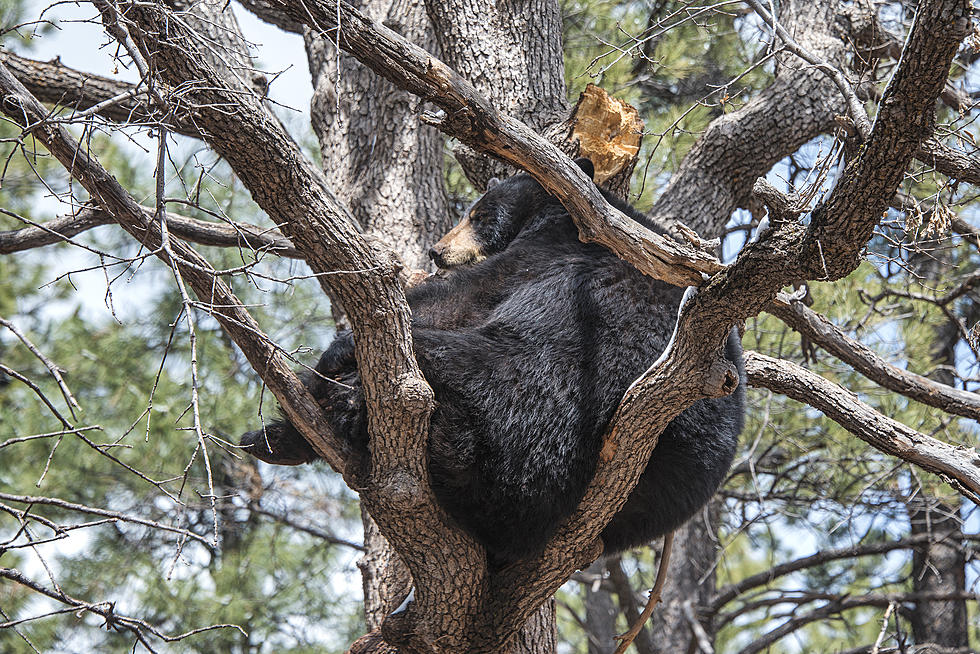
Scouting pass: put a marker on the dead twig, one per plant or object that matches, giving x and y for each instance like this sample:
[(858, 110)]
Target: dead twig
[(658, 586)]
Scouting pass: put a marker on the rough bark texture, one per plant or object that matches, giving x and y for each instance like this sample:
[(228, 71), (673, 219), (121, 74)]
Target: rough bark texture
[(512, 53), (458, 606), (959, 466), (716, 176), (385, 164)]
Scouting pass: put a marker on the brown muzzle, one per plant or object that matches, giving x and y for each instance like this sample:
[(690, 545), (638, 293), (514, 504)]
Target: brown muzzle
[(460, 246)]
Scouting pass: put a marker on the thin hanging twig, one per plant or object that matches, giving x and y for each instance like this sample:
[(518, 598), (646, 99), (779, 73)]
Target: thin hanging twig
[(658, 586)]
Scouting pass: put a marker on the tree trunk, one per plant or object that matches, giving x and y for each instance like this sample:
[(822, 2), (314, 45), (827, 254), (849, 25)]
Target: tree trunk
[(512, 53), (387, 167), (938, 566), (383, 163), (600, 612)]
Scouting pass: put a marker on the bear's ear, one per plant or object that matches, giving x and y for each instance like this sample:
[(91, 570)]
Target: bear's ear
[(586, 165), (493, 181)]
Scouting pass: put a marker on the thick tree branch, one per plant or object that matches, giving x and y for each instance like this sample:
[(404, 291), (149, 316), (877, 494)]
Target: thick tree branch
[(689, 370), (293, 192), (272, 366), (54, 83), (959, 165), (230, 234), (469, 116), (859, 356), (958, 466)]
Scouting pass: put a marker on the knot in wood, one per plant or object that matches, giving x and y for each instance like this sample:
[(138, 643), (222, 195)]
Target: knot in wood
[(400, 490), (414, 394), (722, 379)]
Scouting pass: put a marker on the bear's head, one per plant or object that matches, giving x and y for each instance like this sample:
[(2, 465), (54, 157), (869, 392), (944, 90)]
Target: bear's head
[(494, 220)]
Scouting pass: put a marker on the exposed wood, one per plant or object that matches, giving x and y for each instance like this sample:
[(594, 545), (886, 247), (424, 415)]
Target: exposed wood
[(608, 131)]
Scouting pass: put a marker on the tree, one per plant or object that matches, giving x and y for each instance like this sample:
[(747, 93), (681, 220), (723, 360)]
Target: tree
[(497, 87)]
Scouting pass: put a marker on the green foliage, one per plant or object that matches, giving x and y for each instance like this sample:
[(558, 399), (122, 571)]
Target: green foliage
[(132, 378)]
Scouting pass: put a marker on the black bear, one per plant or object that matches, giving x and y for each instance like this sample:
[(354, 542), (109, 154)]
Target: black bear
[(529, 350)]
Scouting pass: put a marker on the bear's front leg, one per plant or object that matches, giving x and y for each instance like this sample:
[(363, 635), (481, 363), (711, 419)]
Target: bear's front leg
[(278, 443)]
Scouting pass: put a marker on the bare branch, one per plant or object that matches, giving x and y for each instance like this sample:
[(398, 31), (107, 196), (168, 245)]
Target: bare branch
[(232, 234), (309, 529), (23, 108), (48, 363), (731, 591), (658, 586), (854, 106), (55, 83), (833, 607), (854, 353), (106, 610), (957, 164), (958, 466), (115, 515)]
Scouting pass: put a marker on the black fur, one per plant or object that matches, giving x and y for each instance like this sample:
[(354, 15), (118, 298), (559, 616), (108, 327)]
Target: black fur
[(529, 352)]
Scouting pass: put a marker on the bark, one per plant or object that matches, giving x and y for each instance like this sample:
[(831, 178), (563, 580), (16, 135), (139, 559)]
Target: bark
[(488, 612), (511, 52), (383, 163), (822, 332), (939, 564), (241, 235), (691, 580), (938, 568), (385, 578), (717, 174), (958, 466), (600, 612)]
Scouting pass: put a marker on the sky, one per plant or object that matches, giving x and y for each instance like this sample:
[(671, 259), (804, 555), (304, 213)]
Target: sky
[(277, 51), (79, 40)]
